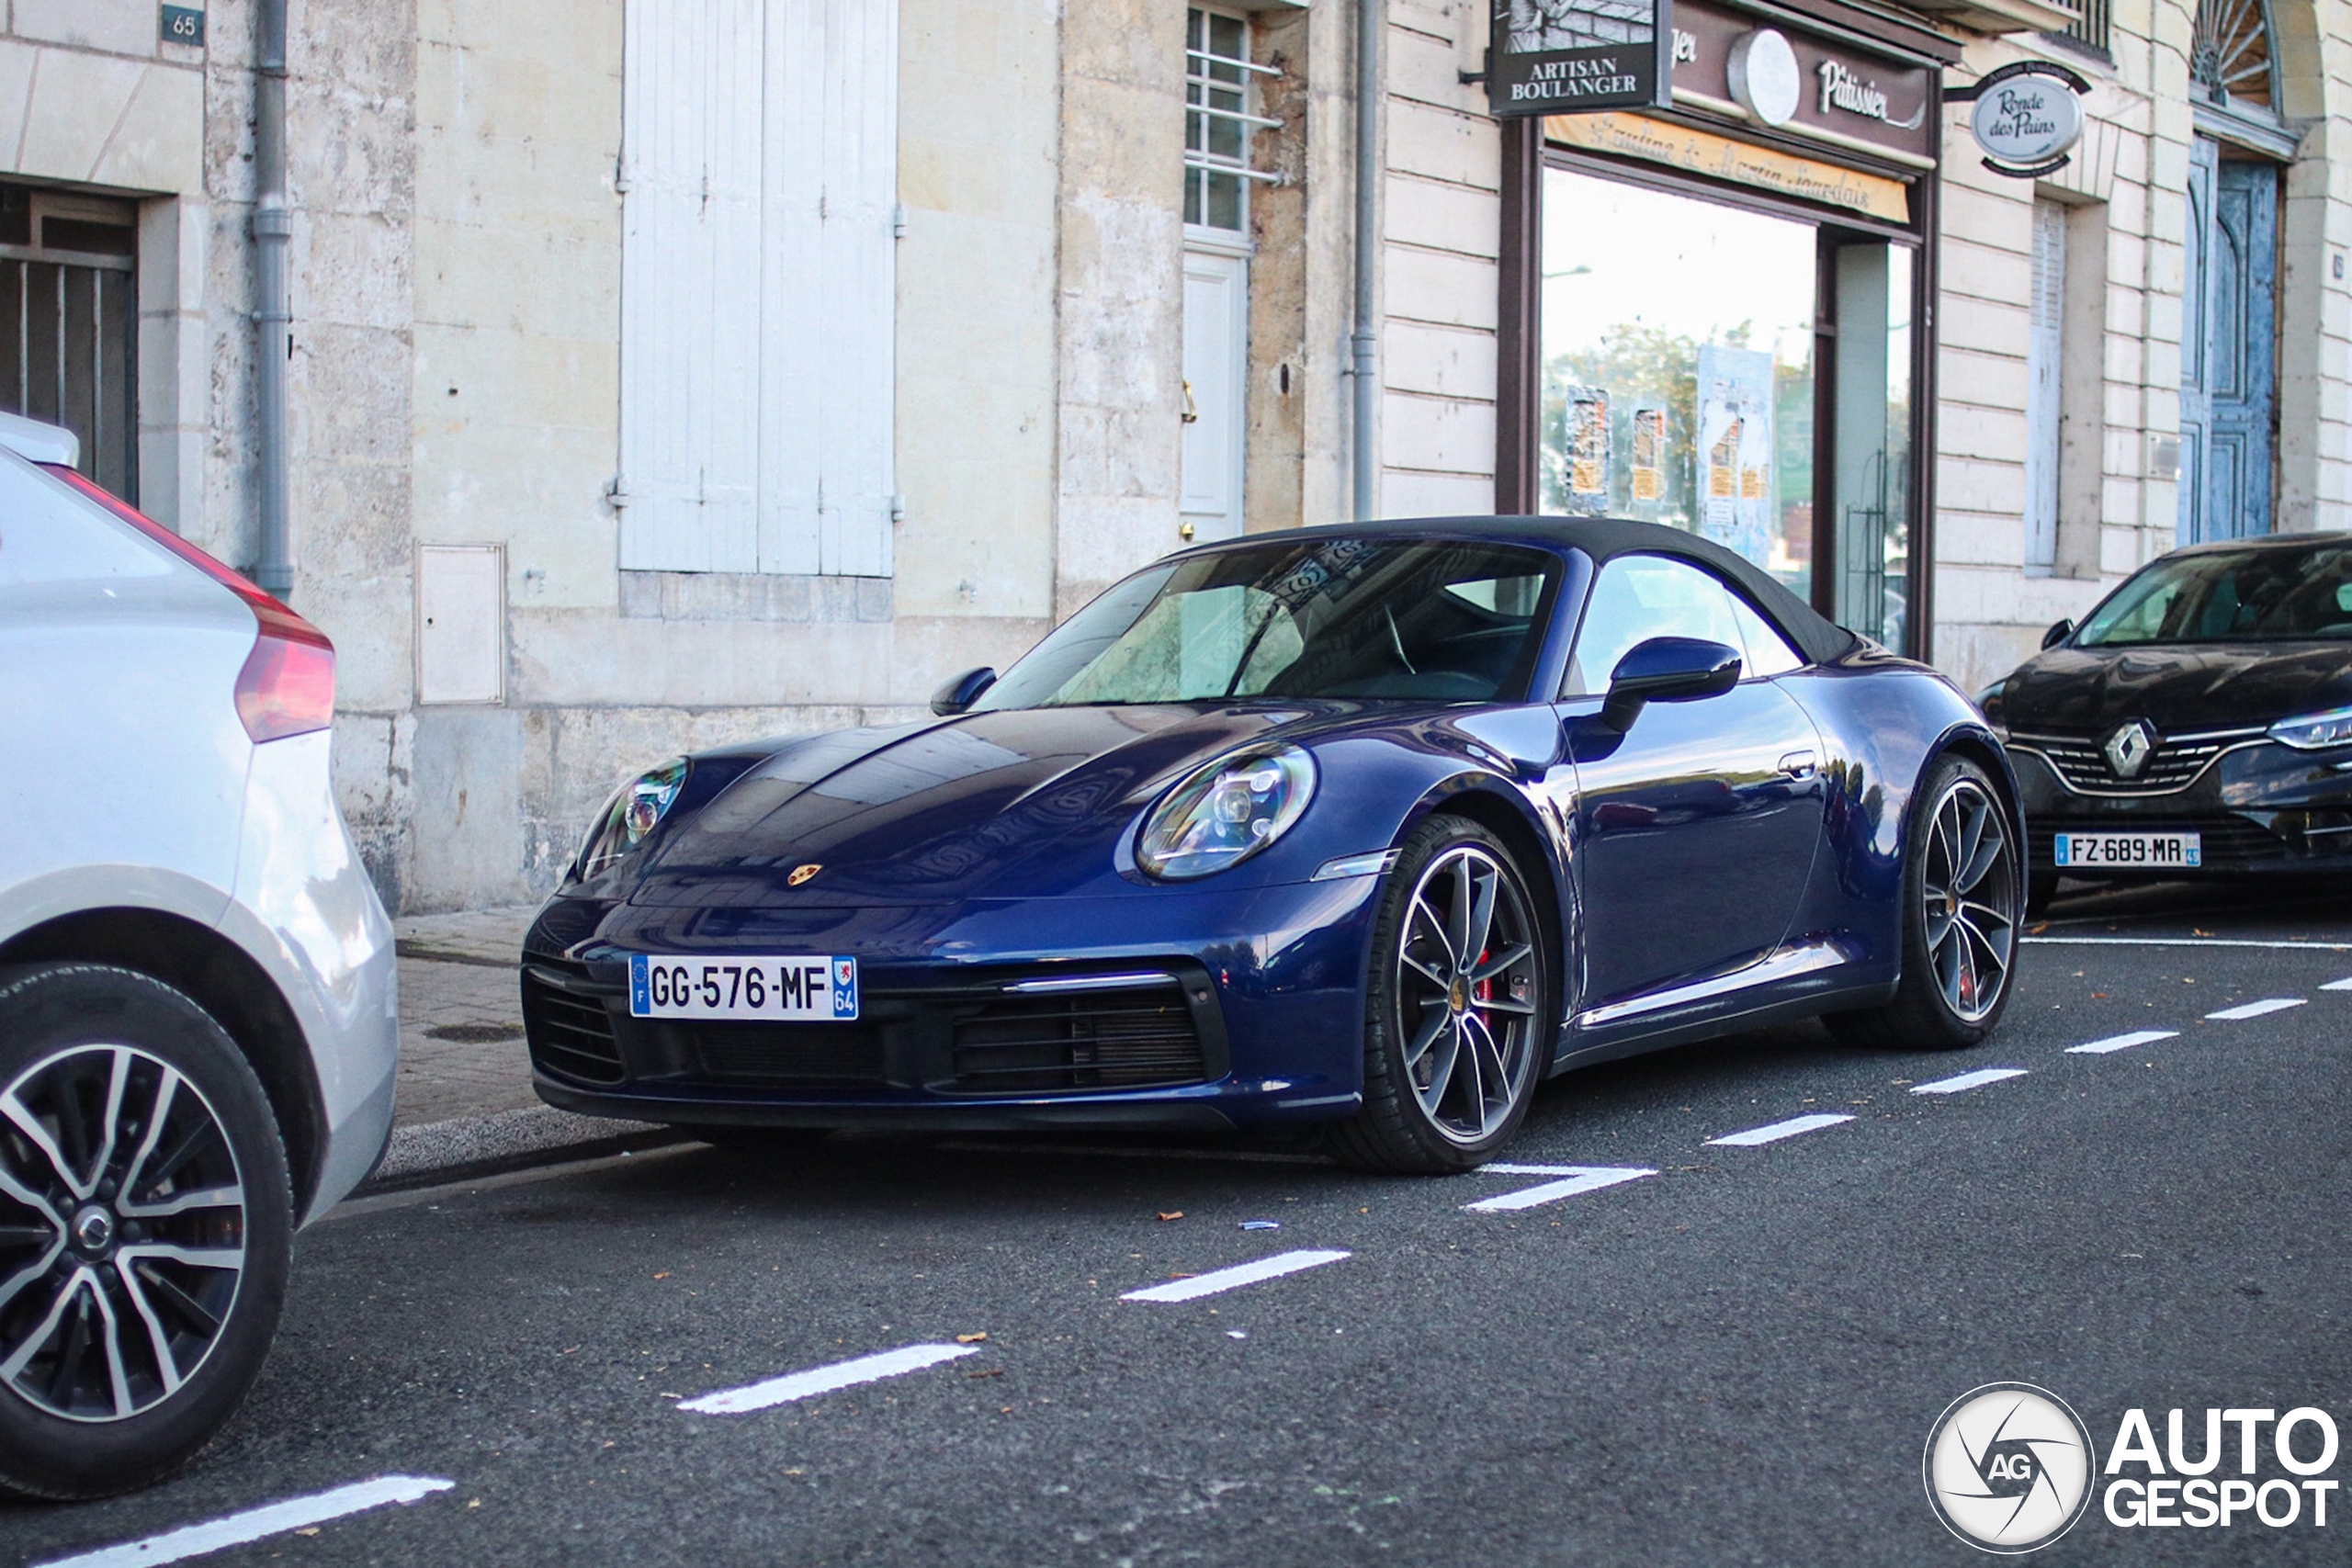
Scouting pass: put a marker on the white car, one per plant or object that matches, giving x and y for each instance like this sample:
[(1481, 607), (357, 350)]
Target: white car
[(198, 1020)]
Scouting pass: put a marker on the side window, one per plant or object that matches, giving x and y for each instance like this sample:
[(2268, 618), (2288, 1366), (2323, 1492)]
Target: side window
[(1636, 598), (1769, 652)]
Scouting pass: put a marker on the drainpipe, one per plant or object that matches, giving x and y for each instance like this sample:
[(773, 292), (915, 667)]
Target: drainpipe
[(1371, 20), (273, 226)]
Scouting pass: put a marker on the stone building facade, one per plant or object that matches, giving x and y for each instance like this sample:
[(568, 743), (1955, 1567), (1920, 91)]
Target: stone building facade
[(581, 474)]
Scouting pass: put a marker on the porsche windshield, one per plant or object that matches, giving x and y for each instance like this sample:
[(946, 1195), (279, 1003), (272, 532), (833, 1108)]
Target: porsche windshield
[(2255, 596), (1338, 617)]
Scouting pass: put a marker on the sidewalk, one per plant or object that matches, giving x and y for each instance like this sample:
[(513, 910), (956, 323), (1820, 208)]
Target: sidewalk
[(465, 1100)]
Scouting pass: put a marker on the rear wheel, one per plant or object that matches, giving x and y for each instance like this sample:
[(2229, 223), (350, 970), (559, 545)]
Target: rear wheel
[(1454, 1011), (145, 1225), (1964, 892)]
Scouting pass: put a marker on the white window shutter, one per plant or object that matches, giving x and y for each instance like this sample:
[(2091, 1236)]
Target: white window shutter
[(2045, 318), (857, 305), (793, 380), (690, 302), (759, 286)]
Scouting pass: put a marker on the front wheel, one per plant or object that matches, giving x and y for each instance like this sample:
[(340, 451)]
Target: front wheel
[(1964, 892), (1454, 1011), (145, 1227)]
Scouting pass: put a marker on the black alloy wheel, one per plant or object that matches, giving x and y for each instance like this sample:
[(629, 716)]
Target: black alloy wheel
[(1963, 896), (1455, 1024), (145, 1227)]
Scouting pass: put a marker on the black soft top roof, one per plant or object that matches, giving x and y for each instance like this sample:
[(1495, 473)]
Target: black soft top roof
[(1605, 537)]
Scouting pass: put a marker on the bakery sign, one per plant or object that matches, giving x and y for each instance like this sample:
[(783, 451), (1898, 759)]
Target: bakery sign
[(1552, 57), (2025, 116)]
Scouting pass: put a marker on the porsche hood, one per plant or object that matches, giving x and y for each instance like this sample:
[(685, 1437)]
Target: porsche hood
[(999, 804)]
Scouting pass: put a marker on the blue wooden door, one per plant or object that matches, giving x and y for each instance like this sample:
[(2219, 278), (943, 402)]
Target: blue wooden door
[(2229, 361)]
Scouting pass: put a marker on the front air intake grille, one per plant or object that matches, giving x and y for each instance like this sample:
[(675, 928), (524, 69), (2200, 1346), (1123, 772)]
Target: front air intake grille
[(569, 1030), (1135, 1037), (2080, 761), (787, 1056)]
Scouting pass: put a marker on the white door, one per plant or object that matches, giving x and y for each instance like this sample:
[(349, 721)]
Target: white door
[(1217, 324)]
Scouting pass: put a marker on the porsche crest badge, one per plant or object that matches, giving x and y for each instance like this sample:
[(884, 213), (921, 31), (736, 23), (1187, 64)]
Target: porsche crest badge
[(801, 873)]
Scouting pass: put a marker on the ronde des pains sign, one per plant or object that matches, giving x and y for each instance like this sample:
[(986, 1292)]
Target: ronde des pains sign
[(2027, 117)]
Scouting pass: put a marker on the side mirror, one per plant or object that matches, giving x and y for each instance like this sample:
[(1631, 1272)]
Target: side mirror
[(2059, 632), (962, 692), (1668, 669)]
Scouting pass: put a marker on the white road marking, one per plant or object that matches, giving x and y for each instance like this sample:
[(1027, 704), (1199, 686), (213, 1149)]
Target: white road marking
[(257, 1523), (1240, 1274), (1778, 1130), (1579, 1178), (1503, 1168), (1966, 1081), (825, 1380), (2185, 941), (2343, 984), (2255, 1009), (2122, 1041)]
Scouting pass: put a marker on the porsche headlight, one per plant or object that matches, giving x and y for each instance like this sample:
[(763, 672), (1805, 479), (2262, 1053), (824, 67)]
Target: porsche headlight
[(1225, 813), (632, 813), (2315, 731)]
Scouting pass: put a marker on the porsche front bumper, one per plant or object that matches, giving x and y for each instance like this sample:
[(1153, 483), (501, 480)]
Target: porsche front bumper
[(1179, 1010)]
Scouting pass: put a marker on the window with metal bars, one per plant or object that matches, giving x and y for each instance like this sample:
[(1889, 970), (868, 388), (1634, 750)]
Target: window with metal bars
[(69, 322), (2089, 29), (1218, 120)]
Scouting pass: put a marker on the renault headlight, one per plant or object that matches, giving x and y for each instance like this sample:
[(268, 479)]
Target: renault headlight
[(632, 813), (2315, 731), (1225, 813)]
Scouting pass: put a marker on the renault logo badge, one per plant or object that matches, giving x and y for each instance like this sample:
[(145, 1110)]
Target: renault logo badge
[(2128, 748), (801, 873)]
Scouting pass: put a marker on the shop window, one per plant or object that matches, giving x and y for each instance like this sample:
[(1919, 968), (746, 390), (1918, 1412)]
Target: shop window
[(1871, 434), (1678, 366), (759, 179), (69, 322)]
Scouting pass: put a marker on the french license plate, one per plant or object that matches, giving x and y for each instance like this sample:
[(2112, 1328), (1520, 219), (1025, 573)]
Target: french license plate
[(2152, 851), (794, 990)]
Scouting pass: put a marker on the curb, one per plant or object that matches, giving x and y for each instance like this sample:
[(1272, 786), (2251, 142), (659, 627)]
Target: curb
[(471, 1146)]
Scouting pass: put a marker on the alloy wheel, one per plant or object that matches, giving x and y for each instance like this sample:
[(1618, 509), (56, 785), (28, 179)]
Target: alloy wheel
[(122, 1232), (1969, 899), (1469, 984)]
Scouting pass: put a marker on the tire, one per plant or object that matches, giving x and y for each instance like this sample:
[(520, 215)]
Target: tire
[(171, 1252), (1959, 929), (1429, 1014)]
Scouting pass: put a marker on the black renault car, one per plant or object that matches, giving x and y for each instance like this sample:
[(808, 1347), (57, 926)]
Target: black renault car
[(2199, 722)]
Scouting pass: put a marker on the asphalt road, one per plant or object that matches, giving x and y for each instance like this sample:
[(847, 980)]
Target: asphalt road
[(1736, 1360)]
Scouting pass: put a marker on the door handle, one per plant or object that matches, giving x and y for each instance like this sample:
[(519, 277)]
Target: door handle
[(1798, 765)]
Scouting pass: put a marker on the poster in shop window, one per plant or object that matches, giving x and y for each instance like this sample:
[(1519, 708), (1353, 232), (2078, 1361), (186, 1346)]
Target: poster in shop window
[(1588, 448), (1735, 449), (1579, 56)]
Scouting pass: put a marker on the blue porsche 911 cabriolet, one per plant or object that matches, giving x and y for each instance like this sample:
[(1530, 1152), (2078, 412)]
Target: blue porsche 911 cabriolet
[(1367, 828)]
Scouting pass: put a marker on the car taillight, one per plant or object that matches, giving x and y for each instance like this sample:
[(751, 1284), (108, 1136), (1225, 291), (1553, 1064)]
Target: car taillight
[(288, 684)]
